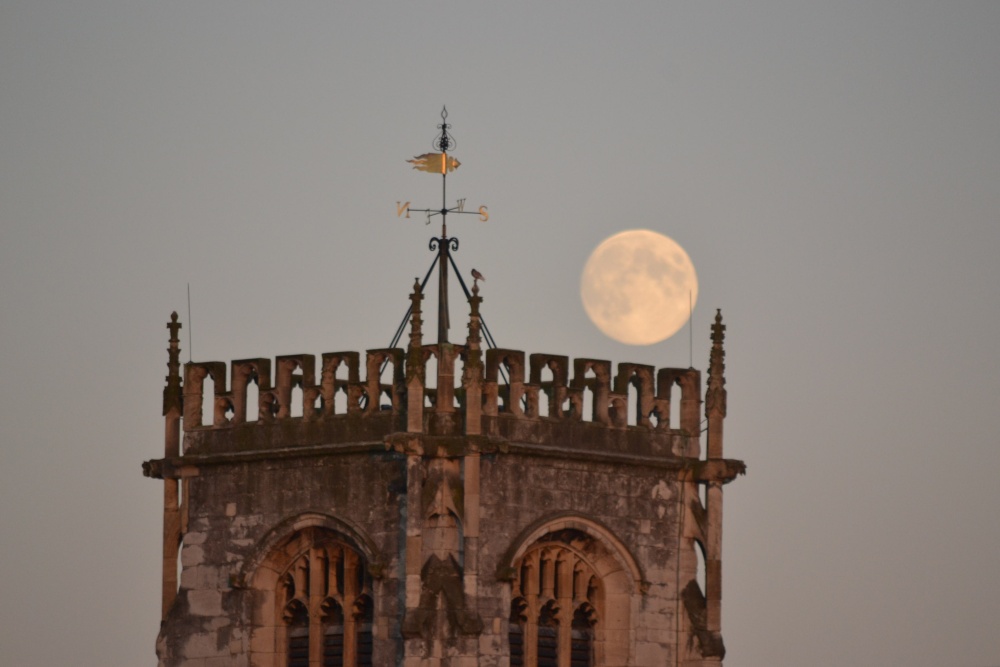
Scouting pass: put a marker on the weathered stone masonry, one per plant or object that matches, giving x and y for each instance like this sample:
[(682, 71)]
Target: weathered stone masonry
[(441, 505)]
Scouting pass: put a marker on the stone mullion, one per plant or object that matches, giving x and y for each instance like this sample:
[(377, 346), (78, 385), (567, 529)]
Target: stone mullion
[(315, 606), (565, 602), (530, 641), (548, 566), (329, 587), (299, 579), (350, 597), (335, 558), (534, 608)]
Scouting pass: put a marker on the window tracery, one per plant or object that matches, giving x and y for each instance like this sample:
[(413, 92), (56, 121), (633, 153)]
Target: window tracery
[(556, 603), (324, 604)]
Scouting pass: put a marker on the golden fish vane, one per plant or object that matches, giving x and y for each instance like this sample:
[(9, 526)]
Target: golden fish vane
[(435, 163)]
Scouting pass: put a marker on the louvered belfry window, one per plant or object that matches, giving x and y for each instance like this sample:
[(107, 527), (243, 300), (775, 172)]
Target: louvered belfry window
[(548, 637), (327, 606), (333, 636), (297, 617), (582, 639)]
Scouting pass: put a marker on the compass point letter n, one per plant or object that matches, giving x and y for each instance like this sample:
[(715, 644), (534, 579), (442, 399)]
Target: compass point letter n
[(401, 208)]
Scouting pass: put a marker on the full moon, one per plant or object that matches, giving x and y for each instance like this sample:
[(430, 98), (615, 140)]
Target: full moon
[(636, 287)]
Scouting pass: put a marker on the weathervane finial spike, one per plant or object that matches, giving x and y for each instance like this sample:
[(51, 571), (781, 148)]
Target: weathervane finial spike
[(444, 141)]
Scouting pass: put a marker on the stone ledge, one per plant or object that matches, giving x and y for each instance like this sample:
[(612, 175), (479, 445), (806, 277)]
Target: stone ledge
[(189, 465), (690, 469), (698, 470)]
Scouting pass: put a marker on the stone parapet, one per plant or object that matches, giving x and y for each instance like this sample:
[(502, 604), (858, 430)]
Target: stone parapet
[(539, 402)]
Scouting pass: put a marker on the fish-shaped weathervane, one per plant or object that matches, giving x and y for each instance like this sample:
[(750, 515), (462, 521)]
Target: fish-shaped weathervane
[(435, 163)]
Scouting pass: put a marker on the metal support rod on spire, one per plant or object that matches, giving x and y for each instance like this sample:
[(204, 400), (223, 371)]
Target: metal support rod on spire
[(443, 260)]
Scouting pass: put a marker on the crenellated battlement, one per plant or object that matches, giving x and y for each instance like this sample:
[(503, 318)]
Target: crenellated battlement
[(548, 394), (440, 390)]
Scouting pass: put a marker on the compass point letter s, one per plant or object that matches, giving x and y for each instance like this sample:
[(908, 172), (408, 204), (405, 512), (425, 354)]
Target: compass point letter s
[(483, 215)]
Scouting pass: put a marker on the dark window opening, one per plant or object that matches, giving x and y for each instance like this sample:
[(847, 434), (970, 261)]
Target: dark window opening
[(582, 640), (333, 634), (516, 640), (515, 634), (298, 635), (365, 620), (548, 638)]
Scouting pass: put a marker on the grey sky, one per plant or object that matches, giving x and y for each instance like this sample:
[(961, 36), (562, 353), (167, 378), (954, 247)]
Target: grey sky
[(832, 172)]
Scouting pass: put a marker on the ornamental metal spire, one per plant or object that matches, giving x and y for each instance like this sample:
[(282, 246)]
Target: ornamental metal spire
[(441, 162)]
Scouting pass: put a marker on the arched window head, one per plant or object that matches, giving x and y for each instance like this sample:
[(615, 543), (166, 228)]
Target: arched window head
[(323, 601)]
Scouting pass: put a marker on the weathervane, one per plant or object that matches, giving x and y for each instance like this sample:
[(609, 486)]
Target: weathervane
[(442, 163)]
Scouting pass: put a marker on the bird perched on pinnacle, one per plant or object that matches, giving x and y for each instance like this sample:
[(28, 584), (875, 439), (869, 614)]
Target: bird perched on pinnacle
[(477, 276)]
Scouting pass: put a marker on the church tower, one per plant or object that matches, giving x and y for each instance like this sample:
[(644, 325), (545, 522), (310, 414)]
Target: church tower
[(442, 505)]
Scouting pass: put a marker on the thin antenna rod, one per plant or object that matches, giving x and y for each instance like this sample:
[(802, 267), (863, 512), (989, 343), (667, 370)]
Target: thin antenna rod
[(190, 332), (690, 330)]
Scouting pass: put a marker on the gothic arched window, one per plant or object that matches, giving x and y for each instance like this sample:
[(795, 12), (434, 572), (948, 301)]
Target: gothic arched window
[(557, 599), (324, 603)]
